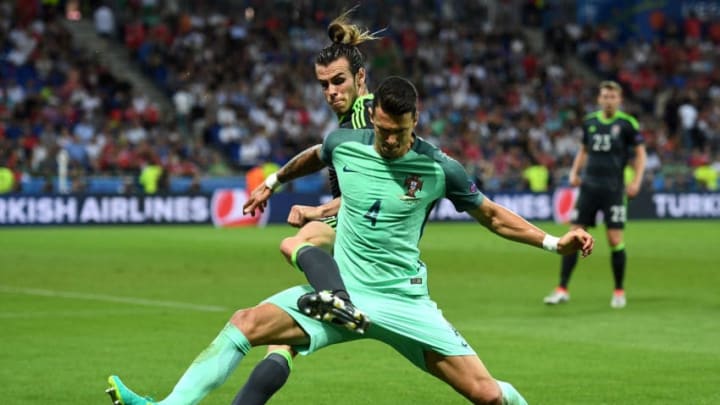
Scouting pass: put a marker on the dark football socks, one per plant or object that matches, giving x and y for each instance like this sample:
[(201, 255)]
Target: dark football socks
[(266, 379), (320, 269)]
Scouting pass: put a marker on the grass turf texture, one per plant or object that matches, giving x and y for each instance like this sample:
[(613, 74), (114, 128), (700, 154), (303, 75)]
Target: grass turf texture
[(62, 334)]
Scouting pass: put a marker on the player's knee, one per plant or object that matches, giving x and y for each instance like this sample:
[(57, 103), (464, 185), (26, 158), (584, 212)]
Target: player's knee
[(318, 234), (485, 392), (247, 321), (615, 241), (323, 241), (288, 245), (615, 237)]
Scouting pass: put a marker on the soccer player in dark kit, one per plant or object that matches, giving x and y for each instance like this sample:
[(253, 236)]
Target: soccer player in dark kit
[(608, 137)]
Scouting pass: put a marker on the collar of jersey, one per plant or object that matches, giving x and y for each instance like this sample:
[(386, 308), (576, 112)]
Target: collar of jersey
[(359, 100), (603, 120)]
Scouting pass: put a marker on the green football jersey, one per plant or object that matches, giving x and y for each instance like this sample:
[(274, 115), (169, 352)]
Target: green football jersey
[(608, 142), (385, 205)]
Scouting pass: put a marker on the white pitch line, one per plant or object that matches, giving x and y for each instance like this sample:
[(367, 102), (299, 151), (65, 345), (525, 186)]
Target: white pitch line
[(110, 298), (73, 314)]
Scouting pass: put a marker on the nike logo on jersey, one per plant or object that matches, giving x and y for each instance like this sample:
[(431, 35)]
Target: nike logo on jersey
[(348, 170)]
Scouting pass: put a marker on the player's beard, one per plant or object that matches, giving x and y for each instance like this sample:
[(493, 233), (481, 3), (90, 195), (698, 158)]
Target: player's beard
[(389, 152), (609, 111), (392, 151), (347, 102)]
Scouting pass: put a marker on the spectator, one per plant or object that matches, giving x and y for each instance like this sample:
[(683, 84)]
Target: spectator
[(239, 86), (150, 176), (537, 177), (7, 180), (104, 21), (706, 177)]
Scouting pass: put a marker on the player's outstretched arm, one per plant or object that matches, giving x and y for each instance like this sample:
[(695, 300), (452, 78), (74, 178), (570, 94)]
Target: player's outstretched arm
[(301, 214), (304, 163), (510, 225)]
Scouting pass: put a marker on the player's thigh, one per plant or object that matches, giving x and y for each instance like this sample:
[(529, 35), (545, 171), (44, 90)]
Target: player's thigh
[(266, 324), (614, 208), (318, 233), (318, 334), (466, 374), (411, 326)]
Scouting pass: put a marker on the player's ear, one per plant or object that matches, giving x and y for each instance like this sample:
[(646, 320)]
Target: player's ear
[(371, 110), (360, 77)]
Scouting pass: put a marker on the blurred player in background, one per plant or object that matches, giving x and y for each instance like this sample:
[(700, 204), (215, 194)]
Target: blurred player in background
[(609, 136), (339, 69), (390, 180)]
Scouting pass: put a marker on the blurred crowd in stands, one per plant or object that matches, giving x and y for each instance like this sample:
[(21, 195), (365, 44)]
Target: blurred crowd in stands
[(503, 87)]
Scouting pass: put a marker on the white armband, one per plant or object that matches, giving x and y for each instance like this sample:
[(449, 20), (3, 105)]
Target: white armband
[(272, 182), (550, 243)]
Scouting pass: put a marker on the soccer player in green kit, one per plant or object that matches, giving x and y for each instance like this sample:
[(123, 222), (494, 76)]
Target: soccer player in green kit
[(390, 180), (608, 137), (340, 72), (339, 69)]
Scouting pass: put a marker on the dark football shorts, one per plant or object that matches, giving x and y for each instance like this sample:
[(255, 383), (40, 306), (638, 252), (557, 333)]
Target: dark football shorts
[(612, 204)]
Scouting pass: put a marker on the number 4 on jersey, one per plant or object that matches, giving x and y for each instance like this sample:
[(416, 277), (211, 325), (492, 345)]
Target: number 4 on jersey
[(373, 212)]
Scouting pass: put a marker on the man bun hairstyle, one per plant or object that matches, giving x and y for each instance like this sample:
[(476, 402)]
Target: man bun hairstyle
[(396, 96), (342, 31), (345, 38)]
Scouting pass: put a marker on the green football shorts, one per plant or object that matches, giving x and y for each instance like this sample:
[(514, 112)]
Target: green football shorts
[(411, 325)]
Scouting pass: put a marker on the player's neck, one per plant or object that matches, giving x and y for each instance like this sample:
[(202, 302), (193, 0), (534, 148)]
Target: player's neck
[(609, 114)]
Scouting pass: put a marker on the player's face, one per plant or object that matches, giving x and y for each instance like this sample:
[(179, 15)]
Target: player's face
[(393, 133), (609, 101), (339, 86)]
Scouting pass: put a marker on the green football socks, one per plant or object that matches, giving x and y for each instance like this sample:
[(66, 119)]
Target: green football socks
[(211, 368), (510, 395)]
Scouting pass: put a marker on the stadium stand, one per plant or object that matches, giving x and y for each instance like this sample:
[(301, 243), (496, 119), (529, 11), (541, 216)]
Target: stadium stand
[(240, 80)]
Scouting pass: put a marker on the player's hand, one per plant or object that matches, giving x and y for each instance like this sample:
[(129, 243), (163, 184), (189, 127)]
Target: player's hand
[(300, 215), (576, 239), (257, 200), (632, 190), (574, 180)]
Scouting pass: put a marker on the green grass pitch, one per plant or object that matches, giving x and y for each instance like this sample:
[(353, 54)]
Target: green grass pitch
[(78, 304)]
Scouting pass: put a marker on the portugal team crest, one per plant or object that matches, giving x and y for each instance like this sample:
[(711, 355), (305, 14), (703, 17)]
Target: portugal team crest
[(413, 185)]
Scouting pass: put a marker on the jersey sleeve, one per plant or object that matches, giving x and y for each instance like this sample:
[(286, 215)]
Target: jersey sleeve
[(459, 187), (340, 136), (331, 141)]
